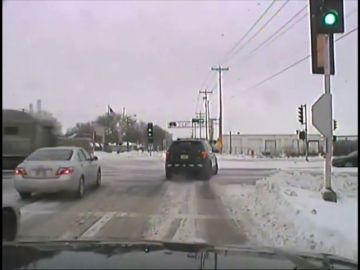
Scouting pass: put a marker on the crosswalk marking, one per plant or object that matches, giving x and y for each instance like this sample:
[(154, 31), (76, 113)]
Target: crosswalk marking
[(94, 229)]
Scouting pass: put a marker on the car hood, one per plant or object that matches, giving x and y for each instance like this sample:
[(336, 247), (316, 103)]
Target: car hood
[(158, 255)]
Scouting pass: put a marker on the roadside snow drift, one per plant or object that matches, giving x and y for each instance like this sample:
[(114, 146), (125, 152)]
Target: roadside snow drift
[(287, 210), (136, 155)]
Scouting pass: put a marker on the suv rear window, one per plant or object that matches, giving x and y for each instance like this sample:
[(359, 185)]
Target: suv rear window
[(186, 145)]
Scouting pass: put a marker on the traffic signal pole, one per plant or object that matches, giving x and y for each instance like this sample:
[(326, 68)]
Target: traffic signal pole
[(306, 135), (328, 194), (326, 19)]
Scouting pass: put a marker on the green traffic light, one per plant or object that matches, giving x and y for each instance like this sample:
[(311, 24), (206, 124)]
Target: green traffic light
[(330, 18)]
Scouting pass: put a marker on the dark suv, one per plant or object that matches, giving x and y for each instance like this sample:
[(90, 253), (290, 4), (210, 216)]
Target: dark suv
[(191, 156)]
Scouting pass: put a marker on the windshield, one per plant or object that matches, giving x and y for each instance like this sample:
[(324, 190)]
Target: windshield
[(50, 154), (228, 123)]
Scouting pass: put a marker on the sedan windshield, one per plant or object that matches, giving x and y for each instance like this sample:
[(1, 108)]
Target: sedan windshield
[(51, 154)]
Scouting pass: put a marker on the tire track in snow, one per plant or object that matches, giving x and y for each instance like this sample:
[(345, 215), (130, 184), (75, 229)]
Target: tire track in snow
[(165, 225)]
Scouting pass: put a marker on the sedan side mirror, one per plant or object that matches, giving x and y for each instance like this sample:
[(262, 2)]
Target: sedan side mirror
[(95, 158)]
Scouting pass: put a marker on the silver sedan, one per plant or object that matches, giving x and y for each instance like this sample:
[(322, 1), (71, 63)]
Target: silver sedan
[(55, 169)]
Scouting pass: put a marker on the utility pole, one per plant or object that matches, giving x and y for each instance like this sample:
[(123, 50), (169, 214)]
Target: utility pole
[(195, 130), (127, 128), (206, 110), (200, 116), (230, 143), (219, 70), (306, 134)]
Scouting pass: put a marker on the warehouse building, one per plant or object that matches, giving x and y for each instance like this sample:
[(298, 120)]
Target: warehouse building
[(276, 144)]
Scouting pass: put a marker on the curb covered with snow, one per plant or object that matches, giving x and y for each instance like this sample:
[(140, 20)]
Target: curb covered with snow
[(287, 210)]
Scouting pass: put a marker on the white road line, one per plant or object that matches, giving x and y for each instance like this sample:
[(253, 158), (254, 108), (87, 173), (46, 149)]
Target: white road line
[(94, 229)]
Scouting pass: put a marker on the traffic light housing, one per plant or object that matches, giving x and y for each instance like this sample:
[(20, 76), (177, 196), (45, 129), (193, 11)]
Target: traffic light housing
[(331, 19), (301, 114), (150, 132), (172, 124), (318, 40), (302, 135), (335, 124), (195, 120)]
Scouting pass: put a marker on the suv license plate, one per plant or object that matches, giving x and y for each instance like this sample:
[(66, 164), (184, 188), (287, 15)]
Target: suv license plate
[(184, 157)]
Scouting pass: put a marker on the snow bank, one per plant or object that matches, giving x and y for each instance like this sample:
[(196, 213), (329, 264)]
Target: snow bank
[(129, 155), (269, 163), (286, 210)]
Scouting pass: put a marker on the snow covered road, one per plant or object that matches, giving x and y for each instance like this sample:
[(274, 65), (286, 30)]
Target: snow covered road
[(259, 202)]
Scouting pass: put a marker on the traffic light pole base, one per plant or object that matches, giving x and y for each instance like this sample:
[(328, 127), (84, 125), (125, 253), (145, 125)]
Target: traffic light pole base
[(328, 195)]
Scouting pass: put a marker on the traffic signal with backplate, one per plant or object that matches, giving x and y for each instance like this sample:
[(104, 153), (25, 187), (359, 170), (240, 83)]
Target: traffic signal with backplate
[(301, 114), (150, 132), (335, 124), (318, 40)]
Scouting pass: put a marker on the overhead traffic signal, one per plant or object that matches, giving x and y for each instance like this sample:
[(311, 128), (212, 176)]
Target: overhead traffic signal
[(150, 132), (172, 124), (301, 114), (331, 19)]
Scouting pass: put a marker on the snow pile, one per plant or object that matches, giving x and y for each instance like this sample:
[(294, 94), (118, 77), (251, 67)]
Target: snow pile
[(286, 210), (268, 163), (129, 155)]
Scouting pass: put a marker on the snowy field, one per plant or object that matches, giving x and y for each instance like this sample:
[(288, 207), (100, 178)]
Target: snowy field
[(287, 211)]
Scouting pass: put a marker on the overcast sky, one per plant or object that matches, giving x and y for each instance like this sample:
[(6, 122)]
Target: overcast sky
[(153, 57)]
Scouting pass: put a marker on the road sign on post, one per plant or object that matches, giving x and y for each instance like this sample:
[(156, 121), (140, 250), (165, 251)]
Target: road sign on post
[(321, 115)]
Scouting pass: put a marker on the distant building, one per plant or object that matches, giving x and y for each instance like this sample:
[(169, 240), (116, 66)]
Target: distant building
[(276, 144)]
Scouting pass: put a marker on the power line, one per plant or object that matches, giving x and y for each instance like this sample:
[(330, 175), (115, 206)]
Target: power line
[(295, 64), (348, 33), (197, 102), (263, 27), (251, 28), (280, 72), (204, 85), (273, 36)]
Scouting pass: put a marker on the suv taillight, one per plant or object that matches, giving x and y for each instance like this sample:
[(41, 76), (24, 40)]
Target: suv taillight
[(205, 155), (20, 171), (64, 171), (168, 155)]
